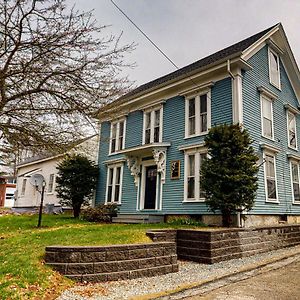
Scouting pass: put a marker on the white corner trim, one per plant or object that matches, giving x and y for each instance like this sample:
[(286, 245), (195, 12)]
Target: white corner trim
[(237, 98), (292, 108), (265, 91), (270, 148)]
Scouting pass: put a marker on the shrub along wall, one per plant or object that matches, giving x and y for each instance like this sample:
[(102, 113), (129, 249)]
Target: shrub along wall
[(118, 262), (211, 246)]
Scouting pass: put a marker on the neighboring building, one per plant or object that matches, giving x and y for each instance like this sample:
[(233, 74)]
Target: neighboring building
[(152, 139), (27, 196), (7, 191)]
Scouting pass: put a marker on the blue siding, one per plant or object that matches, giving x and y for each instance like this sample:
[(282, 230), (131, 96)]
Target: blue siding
[(259, 76)]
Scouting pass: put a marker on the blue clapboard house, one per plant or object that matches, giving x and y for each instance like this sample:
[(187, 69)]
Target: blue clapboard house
[(151, 139)]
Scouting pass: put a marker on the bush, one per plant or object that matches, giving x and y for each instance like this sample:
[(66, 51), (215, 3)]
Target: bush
[(184, 220), (101, 213)]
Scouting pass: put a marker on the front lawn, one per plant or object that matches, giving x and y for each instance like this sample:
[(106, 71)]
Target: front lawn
[(22, 246)]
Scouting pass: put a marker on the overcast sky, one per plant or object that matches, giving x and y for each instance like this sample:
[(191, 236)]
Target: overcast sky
[(188, 30)]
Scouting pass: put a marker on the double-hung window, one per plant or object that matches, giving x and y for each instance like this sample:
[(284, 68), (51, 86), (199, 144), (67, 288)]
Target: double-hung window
[(51, 183), (295, 181), (192, 182), (152, 132), (292, 134), (270, 177), (267, 117), (274, 68), (114, 183), (197, 115), (23, 189), (117, 136)]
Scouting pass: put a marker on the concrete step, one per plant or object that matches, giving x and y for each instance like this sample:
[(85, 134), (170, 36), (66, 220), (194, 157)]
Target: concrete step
[(137, 219)]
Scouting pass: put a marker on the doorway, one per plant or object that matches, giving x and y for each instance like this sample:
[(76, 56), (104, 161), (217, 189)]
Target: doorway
[(150, 191)]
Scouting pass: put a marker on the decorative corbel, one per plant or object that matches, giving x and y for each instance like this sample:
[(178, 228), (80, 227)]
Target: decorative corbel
[(159, 156), (134, 165)]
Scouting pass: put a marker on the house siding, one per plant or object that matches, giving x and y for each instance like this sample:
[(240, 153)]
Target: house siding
[(259, 76)]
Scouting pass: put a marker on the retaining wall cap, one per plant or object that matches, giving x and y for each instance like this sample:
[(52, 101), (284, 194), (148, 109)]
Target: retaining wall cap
[(106, 247)]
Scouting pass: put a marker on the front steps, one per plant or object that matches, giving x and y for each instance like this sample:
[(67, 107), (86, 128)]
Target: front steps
[(138, 219)]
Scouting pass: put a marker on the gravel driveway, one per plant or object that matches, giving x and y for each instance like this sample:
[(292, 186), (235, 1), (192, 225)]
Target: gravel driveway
[(189, 273)]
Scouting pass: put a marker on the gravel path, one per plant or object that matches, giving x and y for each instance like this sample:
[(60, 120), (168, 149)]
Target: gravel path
[(189, 272)]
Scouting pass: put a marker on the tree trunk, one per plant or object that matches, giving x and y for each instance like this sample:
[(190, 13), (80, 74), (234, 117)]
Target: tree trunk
[(226, 218), (76, 210)]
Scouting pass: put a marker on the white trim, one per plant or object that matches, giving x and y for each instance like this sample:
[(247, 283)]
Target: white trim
[(197, 90), (145, 164), (290, 112), (291, 108), (262, 98), (269, 148), (274, 46), (191, 146), (292, 183), (117, 146), (293, 157), (237, 98), (114, 161), (271, 80), (113, 168), (269, 200), (268, 93), (197, 97)]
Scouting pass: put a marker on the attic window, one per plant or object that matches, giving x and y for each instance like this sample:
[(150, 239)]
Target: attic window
[(274, 68)]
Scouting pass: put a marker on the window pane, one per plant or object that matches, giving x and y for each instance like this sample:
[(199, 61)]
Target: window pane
[(292, 130), (156, 134), (270, 166), (191, 165), (118, 174), (201, 192), (296, 191), (51, 183), (117, 193), (147, 136), (114, 131), (157, 118), (274, 68), (191, 187), (295, 176), (148, 120), (271, 188), (203, 122), (192, 107), (109, 193), (192, 125), (121, 128), (267, 109), (203, 103), (113, 138), (110, 176), (267, 127)]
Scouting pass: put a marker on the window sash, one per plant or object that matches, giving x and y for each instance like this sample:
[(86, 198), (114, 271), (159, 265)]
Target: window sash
[(197, 115), (292, 135), (193, 177), (267, 118), (51, 183), (152, 126), (270, 177), (114, 183), (274, 68), (295, 181), (23, 189), (117, 136)]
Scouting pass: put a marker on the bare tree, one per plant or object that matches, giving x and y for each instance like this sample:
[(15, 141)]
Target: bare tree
[(57, 68)]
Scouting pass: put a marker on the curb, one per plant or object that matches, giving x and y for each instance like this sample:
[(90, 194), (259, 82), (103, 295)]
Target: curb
[(180, 290)]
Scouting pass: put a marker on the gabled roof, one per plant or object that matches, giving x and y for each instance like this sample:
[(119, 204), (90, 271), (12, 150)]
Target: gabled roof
[(231, 51)]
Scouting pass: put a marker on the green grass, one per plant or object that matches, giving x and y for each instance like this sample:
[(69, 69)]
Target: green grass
[(23, 274)]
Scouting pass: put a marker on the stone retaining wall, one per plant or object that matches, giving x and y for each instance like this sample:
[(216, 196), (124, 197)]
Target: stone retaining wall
[(118, 262), (211, 246)]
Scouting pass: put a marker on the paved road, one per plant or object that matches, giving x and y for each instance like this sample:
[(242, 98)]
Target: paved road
[(280, 284)]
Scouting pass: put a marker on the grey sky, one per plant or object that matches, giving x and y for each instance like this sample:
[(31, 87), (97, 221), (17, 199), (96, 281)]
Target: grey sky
[(188, 30)]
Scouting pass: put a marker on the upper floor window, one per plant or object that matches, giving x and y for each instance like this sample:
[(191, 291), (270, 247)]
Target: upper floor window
[(117, 136), (153, 126), (274, 68), (267, 117), (114, 183), (270, 177), (292, 135), (197, 115), (192, 178), (295, 181)]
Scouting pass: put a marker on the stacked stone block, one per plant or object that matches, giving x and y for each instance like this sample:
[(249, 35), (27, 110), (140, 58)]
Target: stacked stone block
[(96, 264)]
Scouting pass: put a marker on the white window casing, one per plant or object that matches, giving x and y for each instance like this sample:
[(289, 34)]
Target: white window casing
[(51, 184), (274, 68), (153, 125), (192, 177), (267, 121), (197, 114), (295, 182), (270, 177), (114, 182), (117, 136), (292, 130)]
